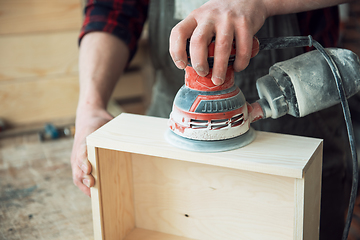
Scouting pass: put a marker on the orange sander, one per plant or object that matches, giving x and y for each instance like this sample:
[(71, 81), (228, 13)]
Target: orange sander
[(210, 118), (204, 111)]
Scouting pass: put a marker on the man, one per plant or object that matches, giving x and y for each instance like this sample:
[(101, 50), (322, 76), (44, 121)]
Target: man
[(108, 42)]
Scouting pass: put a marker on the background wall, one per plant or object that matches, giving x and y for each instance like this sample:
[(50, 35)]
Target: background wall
[(39, 61)]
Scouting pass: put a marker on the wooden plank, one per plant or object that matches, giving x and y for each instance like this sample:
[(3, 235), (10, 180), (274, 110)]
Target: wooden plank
[(96, 201), (38, 55), (282, 155), (307, 200), (29, 16), (24, 102), (312, 197), (117, 202), (143, 234), (299, 209), (200, 201)]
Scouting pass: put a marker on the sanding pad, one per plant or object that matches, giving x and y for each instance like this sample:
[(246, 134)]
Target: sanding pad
[(210, 146)]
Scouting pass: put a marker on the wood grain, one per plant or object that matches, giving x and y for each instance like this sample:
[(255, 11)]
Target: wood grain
[(24, 102), (30, 16), (307, 199), (208, 202), (282, 155), (143, 234), (28, 57), (117, 202)]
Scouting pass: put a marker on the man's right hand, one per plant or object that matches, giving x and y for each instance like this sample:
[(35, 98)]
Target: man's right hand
[(87, 121)]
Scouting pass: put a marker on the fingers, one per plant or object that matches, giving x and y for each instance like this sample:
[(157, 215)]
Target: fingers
[(82, 160), (244, 42), (223, 46), (200, 38), (227, 20), (178, 38), (81, 169), (87, 121), (88, 181), (199, 42), (83, 182)]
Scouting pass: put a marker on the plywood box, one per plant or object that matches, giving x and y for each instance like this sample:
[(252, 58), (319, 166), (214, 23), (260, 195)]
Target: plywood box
[(148, 189)]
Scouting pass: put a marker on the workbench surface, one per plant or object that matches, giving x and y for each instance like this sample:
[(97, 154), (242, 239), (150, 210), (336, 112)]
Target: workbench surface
[(38, 199)]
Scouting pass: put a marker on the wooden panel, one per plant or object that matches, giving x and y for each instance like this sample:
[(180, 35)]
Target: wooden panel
[(312, 197), (96, 202), (117, 203), (143, 234), (280, 154), (307, 195), (207, 202), (38, 55), (29, 16), (40, 100)]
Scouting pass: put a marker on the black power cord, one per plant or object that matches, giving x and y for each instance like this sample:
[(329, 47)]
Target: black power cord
[(350, 132)]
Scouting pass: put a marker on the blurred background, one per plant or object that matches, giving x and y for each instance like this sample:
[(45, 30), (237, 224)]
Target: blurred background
[(38, 98), (39, 64)]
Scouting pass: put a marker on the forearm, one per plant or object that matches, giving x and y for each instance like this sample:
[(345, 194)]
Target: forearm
[(102, 60), (279, 7)]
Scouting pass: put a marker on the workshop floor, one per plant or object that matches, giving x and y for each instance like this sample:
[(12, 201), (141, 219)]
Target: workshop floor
[(37, 197)]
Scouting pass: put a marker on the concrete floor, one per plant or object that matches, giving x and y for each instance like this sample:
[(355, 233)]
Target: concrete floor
[(38, 199)]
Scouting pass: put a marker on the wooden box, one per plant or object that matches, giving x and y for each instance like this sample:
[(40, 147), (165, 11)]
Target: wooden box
[(148, 189)]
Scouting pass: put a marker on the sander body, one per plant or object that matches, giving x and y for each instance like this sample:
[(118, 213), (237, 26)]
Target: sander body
[(210, 118)]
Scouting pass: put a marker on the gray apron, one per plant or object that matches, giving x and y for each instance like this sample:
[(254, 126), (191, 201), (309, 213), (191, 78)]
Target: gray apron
[(327, 124)]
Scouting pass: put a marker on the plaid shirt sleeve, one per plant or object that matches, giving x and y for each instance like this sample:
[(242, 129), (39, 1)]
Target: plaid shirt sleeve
[(122, 18)]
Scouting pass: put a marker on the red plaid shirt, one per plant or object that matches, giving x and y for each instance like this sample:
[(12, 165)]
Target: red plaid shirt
[(122, 18), (125, 19)]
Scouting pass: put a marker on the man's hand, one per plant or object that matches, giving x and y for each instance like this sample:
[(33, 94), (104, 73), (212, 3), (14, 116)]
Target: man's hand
[(227, 20), (86, 123), (103, 58)]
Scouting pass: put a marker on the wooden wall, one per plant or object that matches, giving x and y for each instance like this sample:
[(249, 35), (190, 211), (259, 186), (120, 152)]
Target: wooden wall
[(39, 61)]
